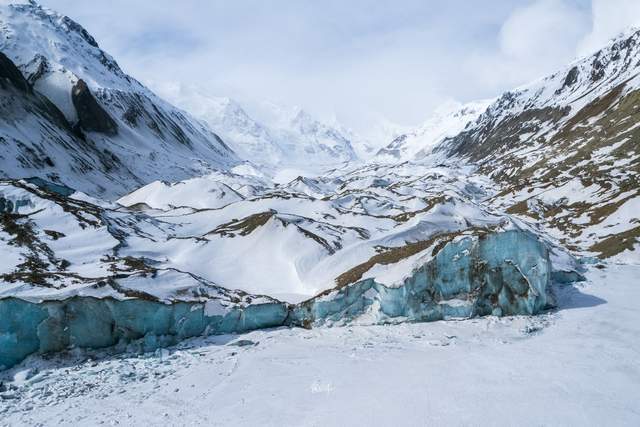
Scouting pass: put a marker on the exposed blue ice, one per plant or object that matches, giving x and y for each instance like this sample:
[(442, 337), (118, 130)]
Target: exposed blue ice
[(504, 273), (27, 328)]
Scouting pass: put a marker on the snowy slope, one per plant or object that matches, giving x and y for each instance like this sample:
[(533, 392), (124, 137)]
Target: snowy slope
[(379, 135), (302, 236), (309, 140), (447, 121), (240, 232), (212, 191), (249, 138), (112, 135)]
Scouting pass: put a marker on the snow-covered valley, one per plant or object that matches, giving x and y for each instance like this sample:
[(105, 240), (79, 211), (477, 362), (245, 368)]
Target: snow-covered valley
[(205, 267)]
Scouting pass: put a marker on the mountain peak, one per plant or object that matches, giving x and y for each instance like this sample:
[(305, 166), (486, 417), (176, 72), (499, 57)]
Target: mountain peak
[(31, 30), (97, 129), (447, 120)]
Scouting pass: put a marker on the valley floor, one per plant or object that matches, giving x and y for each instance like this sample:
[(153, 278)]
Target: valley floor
[(577, 366)]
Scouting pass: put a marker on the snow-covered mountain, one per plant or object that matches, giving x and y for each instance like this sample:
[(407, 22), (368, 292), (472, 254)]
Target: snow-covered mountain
[(380, 133), (447, 121), (564, 150), (288, 138), (71, 115), (309, 140)]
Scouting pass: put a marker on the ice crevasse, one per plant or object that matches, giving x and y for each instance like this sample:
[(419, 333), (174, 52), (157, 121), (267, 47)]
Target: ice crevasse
[(502, 273)]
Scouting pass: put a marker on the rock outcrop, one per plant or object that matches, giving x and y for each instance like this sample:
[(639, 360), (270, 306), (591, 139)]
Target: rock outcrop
[(91, 116)]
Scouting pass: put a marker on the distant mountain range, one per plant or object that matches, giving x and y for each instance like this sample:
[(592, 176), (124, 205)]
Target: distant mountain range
[(292, 138)]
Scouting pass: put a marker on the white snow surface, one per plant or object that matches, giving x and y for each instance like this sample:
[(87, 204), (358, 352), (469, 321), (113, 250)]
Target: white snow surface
[(297, 238), (448, 120), (246, 233)]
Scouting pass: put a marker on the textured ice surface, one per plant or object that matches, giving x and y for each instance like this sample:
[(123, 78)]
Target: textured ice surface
[(572, 363), (502, 274), (51, 326)]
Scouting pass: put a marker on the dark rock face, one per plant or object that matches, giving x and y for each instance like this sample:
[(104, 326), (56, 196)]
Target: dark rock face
[(597, 71), (9, 71), (11, 79), (92, 117), (572, 77), (40, 67)]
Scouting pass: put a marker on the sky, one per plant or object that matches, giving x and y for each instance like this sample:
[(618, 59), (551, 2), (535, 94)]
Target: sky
[(362, 62)]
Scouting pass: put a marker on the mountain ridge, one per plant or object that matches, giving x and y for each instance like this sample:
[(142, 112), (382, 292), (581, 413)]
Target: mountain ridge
[(571, 133), (447, 120), (124, 135)]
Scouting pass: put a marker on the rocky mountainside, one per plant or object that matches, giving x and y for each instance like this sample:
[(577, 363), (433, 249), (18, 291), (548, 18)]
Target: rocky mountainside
[(564, 150), (71, 115), (291, 138)]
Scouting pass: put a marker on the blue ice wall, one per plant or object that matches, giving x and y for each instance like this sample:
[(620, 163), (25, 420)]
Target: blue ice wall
[(505, 273), (502, 274), (27, 328)]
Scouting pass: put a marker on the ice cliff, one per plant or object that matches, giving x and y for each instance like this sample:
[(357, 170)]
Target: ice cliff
[(505, 273), (380, 245)]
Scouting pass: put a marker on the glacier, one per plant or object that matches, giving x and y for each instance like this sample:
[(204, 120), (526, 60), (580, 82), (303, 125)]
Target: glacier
[(295, 233), (503, 273)]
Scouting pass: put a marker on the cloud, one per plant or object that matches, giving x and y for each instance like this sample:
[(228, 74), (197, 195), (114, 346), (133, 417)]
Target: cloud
[(533, 40), (545, 31), (360, 59), (609, 18)]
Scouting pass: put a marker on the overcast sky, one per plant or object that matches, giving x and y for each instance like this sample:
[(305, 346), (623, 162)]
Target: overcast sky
[(363, 60)]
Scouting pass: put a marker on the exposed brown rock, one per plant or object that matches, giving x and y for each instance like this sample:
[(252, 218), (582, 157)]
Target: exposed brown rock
[(92, 117), (9, 72)]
